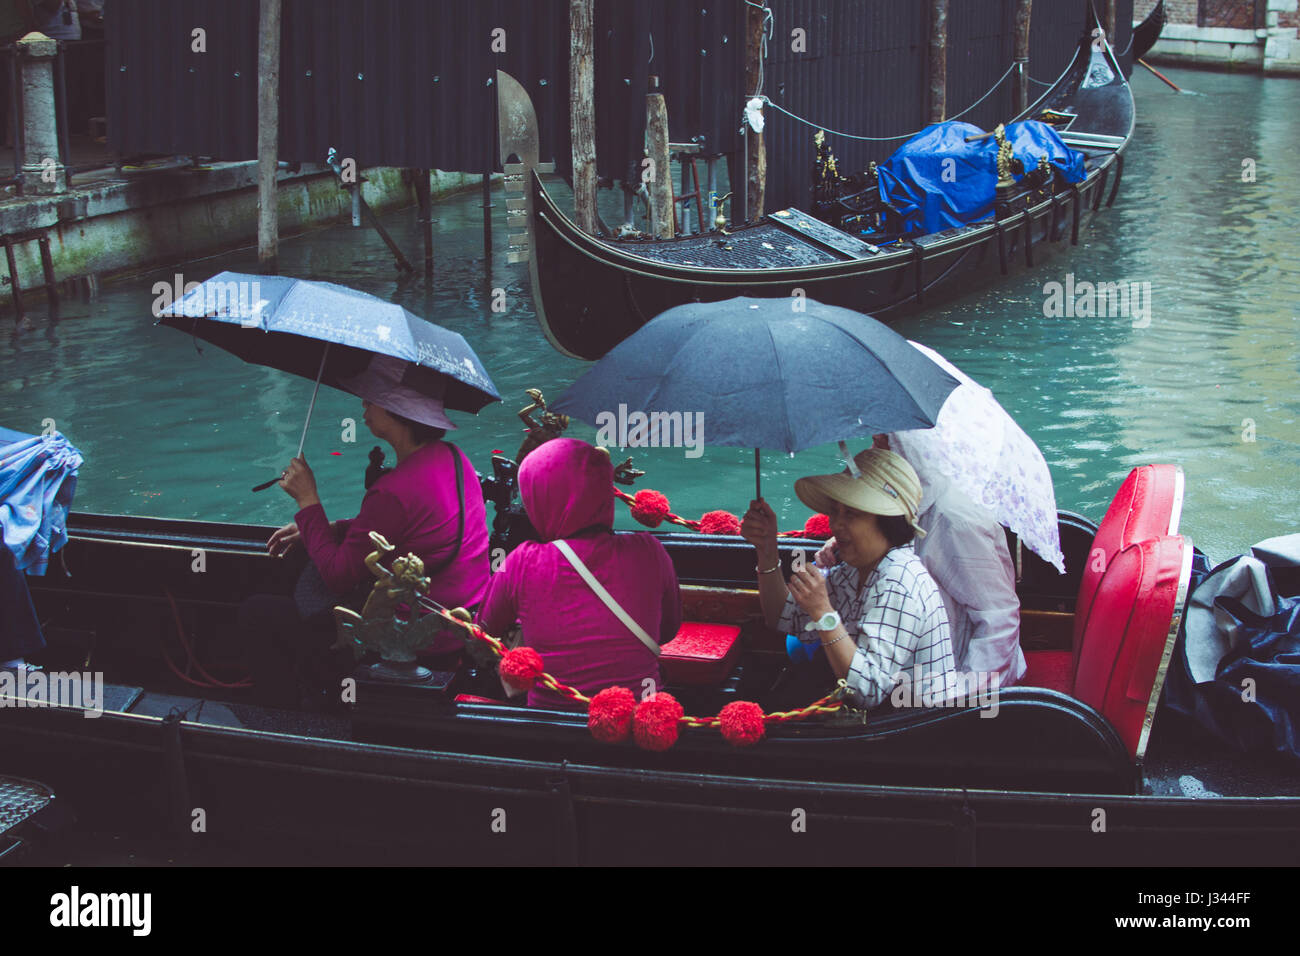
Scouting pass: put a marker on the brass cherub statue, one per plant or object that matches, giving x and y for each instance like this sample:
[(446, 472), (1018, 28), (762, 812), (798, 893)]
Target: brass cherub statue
[(379, 626), (551, 426)]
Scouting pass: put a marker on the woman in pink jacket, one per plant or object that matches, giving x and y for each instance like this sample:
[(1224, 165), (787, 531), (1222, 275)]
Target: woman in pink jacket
[(568, 491)]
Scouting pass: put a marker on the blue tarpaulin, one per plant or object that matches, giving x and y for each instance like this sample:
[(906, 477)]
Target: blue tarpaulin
[(937, 180), (38, 477)]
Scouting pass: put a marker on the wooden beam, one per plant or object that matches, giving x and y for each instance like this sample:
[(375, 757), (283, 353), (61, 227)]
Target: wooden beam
[(268, 136), (938, 60), (1020, 88), (661, 182), (582, 113), (755, 148)]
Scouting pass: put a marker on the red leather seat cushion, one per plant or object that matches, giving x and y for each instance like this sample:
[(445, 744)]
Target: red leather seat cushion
[(1142, 509), (700, 653), (1127, 632), (1050, 669)]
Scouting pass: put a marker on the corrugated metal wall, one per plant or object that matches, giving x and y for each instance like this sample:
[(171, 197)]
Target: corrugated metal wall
[(406, 82)]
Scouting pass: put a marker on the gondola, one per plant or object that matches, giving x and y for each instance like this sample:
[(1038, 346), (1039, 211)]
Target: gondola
[(446, 773), (592, 292), (1146, 33)]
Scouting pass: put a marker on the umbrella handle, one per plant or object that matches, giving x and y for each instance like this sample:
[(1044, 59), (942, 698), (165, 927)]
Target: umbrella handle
[(758, 478), (303, 440)]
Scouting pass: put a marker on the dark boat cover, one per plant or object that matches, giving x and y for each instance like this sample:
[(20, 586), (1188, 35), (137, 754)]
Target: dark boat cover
[(1236, 668), (937, 180)]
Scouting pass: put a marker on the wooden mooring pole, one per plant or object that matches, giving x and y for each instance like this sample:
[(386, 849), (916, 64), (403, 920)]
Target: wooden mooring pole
[(938, 60), (582, 113), (268, 136), (424, 198), (1020, 89), (755, 148), (661, 182)]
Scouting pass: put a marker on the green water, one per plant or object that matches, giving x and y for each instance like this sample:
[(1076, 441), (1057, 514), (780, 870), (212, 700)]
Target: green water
[(168, 431)]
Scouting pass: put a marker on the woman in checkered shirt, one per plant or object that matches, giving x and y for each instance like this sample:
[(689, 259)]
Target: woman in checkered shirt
[(878, 615)]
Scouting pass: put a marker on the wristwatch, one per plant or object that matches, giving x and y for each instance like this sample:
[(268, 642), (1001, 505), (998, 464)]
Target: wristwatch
[(827, 622)]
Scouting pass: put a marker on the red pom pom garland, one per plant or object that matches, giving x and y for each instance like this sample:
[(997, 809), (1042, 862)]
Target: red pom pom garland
[(818, 526), (654, 724), (609, 715), (742, 723), (719, 522), (614, 713), (521, 668), (650, 507)]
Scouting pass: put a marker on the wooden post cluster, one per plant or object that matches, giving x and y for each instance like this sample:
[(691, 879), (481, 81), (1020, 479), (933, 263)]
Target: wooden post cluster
[(938, 60), (1020, 90), (582, 113), (268, 136)]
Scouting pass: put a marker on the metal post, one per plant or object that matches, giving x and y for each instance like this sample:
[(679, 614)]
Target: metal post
[(354, 193), (712, 163), (685, 224), (47, 269), (14, 284)]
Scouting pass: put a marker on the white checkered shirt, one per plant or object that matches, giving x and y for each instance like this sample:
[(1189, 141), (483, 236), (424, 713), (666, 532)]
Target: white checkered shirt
[(897, 619)]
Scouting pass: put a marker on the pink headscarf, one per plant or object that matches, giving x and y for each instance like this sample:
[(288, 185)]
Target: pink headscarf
[(567, 485)]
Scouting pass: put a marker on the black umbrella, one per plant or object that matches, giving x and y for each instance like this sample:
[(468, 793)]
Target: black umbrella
[(329, 333), (766, 373)]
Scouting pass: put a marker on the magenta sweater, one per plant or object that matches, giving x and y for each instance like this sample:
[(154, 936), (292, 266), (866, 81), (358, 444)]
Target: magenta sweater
[(567, 487), (414, 508)]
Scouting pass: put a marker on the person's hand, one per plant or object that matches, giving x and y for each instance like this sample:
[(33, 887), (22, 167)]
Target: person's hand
[(829, 555), (808, 588), (758, 527), (299, 483), (283, 541)]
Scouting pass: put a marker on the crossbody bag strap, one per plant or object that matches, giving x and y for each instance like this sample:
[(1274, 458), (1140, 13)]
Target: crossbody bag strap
[(606, 597)]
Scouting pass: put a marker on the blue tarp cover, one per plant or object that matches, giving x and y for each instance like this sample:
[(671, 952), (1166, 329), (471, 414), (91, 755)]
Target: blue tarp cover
[(38, 477), (939, 181)]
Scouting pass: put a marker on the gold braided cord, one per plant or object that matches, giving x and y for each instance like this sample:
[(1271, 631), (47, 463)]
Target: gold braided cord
[(829, 704)]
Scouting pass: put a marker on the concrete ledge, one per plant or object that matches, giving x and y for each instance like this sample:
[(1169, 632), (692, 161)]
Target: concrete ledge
[(1274, 50), (156, 217)]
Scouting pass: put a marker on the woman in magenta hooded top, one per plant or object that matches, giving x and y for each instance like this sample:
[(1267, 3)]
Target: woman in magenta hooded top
[(568, 491)]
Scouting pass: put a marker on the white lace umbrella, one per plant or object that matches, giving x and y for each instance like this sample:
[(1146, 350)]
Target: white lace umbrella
[(977, 445)]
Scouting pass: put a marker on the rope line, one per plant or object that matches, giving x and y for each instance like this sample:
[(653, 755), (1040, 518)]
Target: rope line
[(831, 703), (887, 139)]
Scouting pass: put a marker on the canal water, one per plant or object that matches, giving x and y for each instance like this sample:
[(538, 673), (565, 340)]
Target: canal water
[(174, 428)]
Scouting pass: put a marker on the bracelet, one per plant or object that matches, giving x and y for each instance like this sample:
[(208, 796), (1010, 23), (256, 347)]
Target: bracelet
[(836, 641), (775, 567)]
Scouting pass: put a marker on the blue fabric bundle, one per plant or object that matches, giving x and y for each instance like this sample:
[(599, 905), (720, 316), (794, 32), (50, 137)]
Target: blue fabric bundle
[(937, 180), (38, 477)]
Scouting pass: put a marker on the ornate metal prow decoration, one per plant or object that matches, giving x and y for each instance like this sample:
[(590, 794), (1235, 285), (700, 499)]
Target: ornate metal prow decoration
[(380, 627), (551, 426)]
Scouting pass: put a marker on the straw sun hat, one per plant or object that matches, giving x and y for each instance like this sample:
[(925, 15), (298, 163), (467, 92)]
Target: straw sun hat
[(886, 485)]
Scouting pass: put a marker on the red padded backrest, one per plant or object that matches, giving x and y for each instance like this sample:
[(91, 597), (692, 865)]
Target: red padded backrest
[(1129, 632), (1146, 506)]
